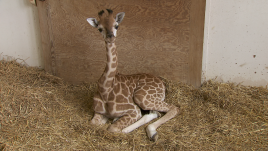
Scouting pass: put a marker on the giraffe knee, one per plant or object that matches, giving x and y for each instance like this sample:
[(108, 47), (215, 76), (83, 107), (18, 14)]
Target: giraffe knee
[(114, 128), (143, 107), (98, 119), (176, 109)]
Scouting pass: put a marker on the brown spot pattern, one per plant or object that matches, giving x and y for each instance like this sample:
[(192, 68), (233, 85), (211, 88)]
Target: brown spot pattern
[(112, 74), (151, 91), (124, 107), (121, 99), (114, 65), (120, 94)]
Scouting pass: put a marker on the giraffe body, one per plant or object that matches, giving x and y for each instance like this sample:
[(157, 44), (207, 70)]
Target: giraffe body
[(122, 97)]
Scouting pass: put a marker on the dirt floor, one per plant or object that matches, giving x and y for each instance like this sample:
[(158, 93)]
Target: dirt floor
[(39, 111)]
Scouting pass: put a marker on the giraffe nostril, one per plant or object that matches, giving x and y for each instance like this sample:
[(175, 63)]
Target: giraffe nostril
[(110, 35)]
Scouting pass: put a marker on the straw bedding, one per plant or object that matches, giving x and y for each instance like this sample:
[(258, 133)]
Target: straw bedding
[(39, 111)]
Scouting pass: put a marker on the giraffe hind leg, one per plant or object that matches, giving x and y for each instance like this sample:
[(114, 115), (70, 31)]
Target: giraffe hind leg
[(124, 121), (156, 104), (145, 119), (151, 129)]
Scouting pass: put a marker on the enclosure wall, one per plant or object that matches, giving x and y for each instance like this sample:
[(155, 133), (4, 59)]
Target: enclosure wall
[(19, 32), (235, 43), (163, 38), (235, 40)]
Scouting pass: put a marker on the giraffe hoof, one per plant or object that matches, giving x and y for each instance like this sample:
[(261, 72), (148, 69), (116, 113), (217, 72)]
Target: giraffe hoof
[(156, 112), (154, 137), (115, 119), (113, 129), (151, 133)]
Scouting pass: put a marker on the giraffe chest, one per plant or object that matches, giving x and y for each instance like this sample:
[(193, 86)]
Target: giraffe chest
[(113, 110), (118, 100), (114, 104)]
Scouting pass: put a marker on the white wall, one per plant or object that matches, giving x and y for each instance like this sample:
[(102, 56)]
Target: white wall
[(236, 41), (19, 32), (235, 31)]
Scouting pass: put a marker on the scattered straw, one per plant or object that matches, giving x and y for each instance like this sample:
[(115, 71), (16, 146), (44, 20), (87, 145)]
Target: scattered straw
[(39, 111)]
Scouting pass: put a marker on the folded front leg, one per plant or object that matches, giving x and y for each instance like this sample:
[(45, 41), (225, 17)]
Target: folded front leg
[(99, 119), (124, 122), (145, 119)]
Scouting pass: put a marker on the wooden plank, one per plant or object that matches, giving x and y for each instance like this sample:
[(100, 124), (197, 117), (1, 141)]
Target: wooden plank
[(159, 40), (197, 19), (79, 48), (155, 37), (46, 36)]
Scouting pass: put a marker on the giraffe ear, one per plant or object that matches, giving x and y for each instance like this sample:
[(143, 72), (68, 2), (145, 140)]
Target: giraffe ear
[(93, 22), (119, 17)]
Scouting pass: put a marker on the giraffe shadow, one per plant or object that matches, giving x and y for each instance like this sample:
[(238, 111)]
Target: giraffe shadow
[(81, 98)]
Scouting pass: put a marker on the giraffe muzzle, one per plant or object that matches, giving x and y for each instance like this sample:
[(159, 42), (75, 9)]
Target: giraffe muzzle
[(110, 35), (110, 39)]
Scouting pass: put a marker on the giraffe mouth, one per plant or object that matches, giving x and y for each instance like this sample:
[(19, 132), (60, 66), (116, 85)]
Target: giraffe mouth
[(110, 40)]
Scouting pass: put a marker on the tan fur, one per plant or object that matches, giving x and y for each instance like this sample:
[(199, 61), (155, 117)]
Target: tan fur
[(122, 96)]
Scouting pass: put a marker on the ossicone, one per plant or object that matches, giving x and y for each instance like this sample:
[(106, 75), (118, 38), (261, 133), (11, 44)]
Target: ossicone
[(101, 12), (109, 11)]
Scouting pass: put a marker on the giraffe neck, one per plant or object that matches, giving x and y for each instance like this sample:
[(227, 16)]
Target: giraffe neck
[(107, 79)]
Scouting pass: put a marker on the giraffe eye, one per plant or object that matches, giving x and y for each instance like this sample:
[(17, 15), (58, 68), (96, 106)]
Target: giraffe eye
[(100, 30), (116, 27)]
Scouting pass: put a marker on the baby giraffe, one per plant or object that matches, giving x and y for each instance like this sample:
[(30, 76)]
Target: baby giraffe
[(120, 97)]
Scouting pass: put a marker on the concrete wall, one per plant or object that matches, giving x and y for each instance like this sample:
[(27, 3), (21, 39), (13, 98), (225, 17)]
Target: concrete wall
[(236, 41), (20, 34)]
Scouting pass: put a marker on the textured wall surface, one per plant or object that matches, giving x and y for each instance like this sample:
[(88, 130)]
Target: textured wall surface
[(236, 41), (154, 37), (20, 32)]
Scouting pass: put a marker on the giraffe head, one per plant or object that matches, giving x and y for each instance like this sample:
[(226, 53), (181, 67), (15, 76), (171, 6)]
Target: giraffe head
[(107, 24)]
